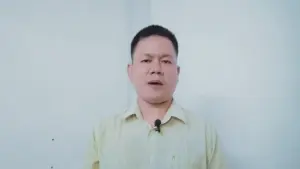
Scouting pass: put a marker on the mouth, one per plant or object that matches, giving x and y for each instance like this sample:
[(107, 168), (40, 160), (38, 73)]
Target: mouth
[(155, 83)]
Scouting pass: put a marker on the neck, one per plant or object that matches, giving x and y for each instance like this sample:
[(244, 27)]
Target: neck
[(151, 112)]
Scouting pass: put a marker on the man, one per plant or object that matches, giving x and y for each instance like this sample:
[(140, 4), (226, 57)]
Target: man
[(155, 133)]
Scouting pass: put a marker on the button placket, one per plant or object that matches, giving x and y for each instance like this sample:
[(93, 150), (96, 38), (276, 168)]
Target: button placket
[(154, 137)]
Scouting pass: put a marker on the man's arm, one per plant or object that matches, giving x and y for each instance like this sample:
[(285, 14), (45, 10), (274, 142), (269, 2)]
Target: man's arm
[(215, 157)]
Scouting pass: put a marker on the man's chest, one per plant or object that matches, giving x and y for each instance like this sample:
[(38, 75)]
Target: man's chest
[(142, 149)]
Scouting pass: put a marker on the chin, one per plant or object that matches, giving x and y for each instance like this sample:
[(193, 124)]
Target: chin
[(155, 99)]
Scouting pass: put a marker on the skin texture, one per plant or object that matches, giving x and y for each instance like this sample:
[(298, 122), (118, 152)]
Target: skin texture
[(154, 59)]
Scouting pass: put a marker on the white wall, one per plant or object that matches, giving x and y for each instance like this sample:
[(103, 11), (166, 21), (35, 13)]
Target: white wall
[(59, 60), (239, 65)]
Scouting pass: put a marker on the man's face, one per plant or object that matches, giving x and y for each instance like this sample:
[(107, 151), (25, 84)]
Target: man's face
[(154, 71)]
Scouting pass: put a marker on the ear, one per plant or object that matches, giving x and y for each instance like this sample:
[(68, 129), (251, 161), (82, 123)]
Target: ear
[(129, 72), (178, 70)]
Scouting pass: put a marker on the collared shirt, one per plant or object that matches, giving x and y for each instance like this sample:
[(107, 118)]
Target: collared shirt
[(126, 141)]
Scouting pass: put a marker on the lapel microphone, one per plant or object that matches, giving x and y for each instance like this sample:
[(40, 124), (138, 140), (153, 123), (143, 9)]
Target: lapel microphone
[(157, 124)]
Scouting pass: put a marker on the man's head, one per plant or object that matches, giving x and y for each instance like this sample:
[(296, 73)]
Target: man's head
[(154, 71)]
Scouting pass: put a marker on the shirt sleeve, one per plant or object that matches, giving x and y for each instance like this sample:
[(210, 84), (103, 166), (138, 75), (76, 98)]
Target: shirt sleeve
[(215, 156), (92, 157)]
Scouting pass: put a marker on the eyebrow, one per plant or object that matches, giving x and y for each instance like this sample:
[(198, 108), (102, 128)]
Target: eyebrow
[(161, 56)]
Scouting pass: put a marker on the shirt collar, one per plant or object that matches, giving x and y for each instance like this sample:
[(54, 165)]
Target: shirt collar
[(174, 111)]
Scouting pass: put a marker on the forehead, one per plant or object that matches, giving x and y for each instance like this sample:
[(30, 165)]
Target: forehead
[(155, 46)]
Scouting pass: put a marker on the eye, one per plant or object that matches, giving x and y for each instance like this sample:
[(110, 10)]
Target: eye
[(167, 61), (146, 61)]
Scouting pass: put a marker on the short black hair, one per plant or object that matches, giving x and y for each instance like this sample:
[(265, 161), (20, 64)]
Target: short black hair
[(152, 30)]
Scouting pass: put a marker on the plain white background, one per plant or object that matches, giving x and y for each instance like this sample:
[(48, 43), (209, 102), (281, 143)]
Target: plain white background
[(63, 67)]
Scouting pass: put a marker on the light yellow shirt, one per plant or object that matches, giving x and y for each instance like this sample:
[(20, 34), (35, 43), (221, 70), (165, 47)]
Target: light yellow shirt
[(126, 141)]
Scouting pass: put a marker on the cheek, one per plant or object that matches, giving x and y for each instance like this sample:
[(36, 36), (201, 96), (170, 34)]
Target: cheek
[(139, 78), (172, 78), (140, 70)]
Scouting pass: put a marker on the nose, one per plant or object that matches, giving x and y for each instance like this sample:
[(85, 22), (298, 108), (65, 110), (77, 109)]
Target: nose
[(156, 72), (156, 69)]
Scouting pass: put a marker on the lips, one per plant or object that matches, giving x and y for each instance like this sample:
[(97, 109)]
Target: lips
[(155, 83)]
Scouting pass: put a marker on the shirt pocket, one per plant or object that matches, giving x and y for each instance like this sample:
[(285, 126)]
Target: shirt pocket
[(175, 161), (179, 156), (188, 155)]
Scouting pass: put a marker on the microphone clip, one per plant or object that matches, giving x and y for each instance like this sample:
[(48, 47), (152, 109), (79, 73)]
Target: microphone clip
[(157, 124)]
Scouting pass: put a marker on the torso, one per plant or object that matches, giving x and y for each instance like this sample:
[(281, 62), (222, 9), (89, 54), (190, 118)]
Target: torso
[(135, 145)]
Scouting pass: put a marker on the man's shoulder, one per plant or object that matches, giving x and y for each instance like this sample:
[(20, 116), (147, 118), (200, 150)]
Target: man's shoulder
[(109, 121), (198, 120), (110, 118), (194, 117)]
